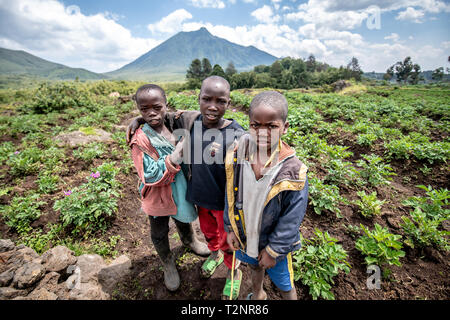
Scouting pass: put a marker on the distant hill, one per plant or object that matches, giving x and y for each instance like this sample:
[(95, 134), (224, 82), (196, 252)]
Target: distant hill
[(13, 62), (171, 59)]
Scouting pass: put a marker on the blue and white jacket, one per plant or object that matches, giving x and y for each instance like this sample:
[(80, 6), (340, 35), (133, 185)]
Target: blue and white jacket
[(284, 208)]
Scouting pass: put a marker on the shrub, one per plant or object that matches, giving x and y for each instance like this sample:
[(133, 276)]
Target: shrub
[(434, 205), (88, 207), (374, 171), (318, 262), (25, 162), (380, 247), (368, 204), (22, 211), (59, 96), (324, 197), (90, 152), (423, 232)]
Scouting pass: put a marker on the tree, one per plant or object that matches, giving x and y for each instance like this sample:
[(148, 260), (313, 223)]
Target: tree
[(230, 70), (275, 72), (355, 69), (403, 69), (414, 75), (438, 74), (218, 71), (311, 63), (389, 73), (206, 68), (261, 69), (195, 70)]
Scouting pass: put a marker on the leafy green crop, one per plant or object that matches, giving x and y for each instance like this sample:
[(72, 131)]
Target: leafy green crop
[(423, 232), (368, 204), (22, 211), (374, 171), (87, 208), (318, 262), (380, 247), (434, 205), (324, 197)]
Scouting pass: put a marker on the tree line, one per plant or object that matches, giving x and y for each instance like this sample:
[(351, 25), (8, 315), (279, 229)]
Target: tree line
[(287, 73), (408, 72)]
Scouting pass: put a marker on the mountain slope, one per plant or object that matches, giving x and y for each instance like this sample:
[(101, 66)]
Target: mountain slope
[(20, 62), (172, 57)]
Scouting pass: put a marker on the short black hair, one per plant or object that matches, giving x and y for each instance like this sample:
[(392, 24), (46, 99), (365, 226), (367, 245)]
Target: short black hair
[(215, 78), (148, 87), (271, 99)]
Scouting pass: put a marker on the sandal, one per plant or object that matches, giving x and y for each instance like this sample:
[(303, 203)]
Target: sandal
[(249, 296), (236, 286), (210, 265)]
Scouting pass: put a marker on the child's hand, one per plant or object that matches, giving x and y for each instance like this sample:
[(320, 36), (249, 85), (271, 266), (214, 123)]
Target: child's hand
[(233, 241), (265, 260), (176, 157), (132, 127)]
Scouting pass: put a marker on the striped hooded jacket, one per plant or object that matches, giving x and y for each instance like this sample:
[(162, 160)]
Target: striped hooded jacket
[(284, 208)]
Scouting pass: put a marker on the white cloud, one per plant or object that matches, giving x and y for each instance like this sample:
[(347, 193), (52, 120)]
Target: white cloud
[(50, 30), (265, 14), (218, 4), (411, 14), (170, 23), (393, 36)]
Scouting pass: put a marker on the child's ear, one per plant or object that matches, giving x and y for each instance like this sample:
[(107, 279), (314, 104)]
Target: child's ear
[(286, 127)]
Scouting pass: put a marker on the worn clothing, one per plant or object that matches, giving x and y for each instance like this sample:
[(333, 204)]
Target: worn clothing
[(284, 206), (282, 274), (206, 186), (163, 186), (255, 192), (211, 224)]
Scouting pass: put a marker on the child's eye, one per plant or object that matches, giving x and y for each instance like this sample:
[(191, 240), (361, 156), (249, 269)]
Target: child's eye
[(254, 125)]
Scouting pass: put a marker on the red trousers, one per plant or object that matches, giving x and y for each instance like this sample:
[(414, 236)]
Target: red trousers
[(211, 224)]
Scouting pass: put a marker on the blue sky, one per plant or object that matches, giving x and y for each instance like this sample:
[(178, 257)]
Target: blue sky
[(104, 35)]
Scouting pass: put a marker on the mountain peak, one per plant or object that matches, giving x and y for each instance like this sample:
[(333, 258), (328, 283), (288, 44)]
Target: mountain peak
[(174, 55)]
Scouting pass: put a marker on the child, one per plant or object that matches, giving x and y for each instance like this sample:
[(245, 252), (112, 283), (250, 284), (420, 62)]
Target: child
[(163, 186), (267, 194), (206, 171)]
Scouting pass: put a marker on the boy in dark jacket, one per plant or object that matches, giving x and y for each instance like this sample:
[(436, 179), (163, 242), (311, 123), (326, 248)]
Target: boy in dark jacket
[(266, 197)]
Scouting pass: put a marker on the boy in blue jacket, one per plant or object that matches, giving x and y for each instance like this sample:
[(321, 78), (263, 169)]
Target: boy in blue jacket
[(266, 197)]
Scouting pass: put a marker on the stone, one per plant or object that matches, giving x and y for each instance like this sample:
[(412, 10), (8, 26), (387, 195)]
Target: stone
[(77, 138), (42, 294), (22, 256), (109, 276), (6, 277), (7, 293), (28, 274), (83, 283), (6, 245), (49, 281), (340, 85), (90, 265), (58, 259), (88, 291)]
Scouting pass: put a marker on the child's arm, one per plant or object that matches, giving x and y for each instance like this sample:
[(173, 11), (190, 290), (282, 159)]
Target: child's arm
[(286, 231), (154, 173)]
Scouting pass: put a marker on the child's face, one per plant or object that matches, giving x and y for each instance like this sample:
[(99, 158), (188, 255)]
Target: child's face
[(153, 108), (266, 127), (214, 99)]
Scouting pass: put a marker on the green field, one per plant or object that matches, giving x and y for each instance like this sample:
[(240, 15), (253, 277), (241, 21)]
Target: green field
[(378, 175)]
